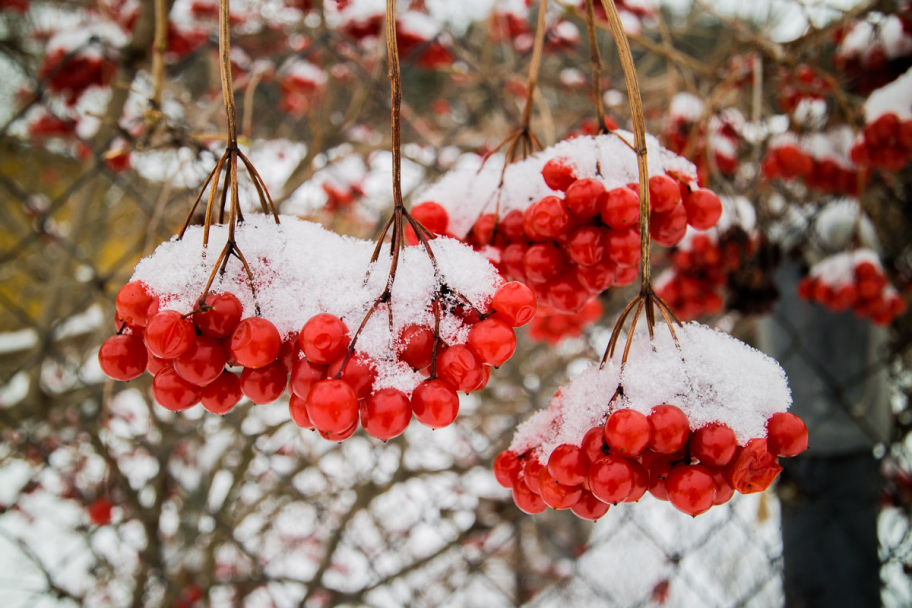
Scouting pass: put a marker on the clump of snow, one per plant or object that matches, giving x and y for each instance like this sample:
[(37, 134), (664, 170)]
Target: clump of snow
[(895, 97), (302, 270), (835, 225), (467, 194), (418, 24), (839, 269), (686, 106), (880, 33), (712, 377)]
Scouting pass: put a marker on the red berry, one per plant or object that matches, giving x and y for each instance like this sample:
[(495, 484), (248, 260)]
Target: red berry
[(123, 357), (593, 444), (620, 208), (360, 373), (264, 384), (435, 403), (713, 445), (255, 342), (387, 414), (664, 193), (527, 501), (690, 488), (658, 471), (531, 471), (133, 303), (324, 338), (493, 341), (753, 468), (611, 479), (173, 392), (624, 247), (460, 368), (222, 394), (787, 434), (667, 229), (555, 494), (558, 174), (589, 507), (511, 226), (587, 245), (221, 318), (507, 467), (640, 481), (297, 408), (203, 363), (168, 335), (416, 346), (596, 278), (155, 364), (627, 432), (724, 489), (566, 294), (430, 215), (483, 230), (669, 429), (543, 262), (304, 375), (515, 304), (703, 209), (582, 197), (549, 217), (332, 406), (100, 511), (290, 352), (339, 435), (568, 465)]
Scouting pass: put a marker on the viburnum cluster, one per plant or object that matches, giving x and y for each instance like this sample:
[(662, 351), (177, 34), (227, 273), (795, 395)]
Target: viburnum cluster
[(886, 141), (570, 230), (344, 352), (551, 327), (712, 144), (853, 280), (821, 160), (690, 422)]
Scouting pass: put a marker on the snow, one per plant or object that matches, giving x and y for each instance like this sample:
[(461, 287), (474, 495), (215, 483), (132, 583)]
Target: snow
[(865, 37), (305, 71), (302, 270), (839, 269), (895, 97), (712, 377), (467, 193), (686, 106), (418, 24)]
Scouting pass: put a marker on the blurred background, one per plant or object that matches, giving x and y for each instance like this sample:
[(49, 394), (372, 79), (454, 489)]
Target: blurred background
[(107, 499)]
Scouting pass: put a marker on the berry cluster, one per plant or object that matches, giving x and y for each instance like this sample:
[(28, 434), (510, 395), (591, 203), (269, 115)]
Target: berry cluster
[(331, 385), (886, 143), (788, 161), (551, 327), (570, 248), (687, 133), (300, 83), (699, 270), (72, 74), (804, 84), (632, 453), (853, 280)]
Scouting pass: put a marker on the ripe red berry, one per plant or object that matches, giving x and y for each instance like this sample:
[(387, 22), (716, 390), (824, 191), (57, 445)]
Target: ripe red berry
[(304, 375), (202, 363), (168, 335), (360, 373), (667, 229), (620, 208), (582, 198), (589, 507), (658, 470), (724, 488), (460, 368), (416, 346), (593, 444), (664, 193), (549, 217), (155, 364), (100, 511), (173, 392), (703, 209), (493, 341), (123, 357), (324, 338), (339, 435), (690, 488), (290, 352), (483, 230), (255, 342), (430, 215), (386, 414), (640, 481), (133, 303), (627, 432), (515, 304), (596, 278), (568, 465), (555, 494), (787, 434), (586, 245), (264, 384), (222, 394), (753, 468), (435, 403), (624, 247), (511, 226), (713, 445), (531, 471), (297, 408), (221, 318), (611, 479), (507, 467), (527, 500), (558, 174), (332, 406), (669, 429)]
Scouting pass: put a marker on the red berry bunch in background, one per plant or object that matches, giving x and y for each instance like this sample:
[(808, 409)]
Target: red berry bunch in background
[(827, 174), (711, 143), (70, 73), (886, 143), (551, 327), (853, 281), (802, 84), (633, 453)]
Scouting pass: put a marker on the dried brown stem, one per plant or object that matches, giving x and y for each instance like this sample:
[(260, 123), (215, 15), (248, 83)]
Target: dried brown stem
[(158, 52), (596, 60), (535, 64), (225, 69)]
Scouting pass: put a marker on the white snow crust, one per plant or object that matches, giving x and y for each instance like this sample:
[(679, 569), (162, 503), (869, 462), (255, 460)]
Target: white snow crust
[(895, 97), (839, 269)]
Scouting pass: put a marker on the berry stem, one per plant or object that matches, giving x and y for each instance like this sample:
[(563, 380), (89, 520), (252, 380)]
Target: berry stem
[(225, 69), (535, 64), (596, 60)]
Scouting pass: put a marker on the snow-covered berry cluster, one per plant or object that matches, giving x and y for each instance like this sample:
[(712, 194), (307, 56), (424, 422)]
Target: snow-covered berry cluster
[(886, 141)]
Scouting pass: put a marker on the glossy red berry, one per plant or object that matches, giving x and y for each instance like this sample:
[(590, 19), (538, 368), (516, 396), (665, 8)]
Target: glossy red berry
[(555, 494), (669, 429), (155, 364), (430, 215), (222, 394), (703, 209), (558, 174), (123, 357), (202, 363), (624, 247), (435, 403), (582, 198), (753, 468), (507, 467), (568, 465), (173, 392), (549, 217), (515, 304), (386, 414), (724, 488), (527, 500), (587, 245), (255, 342), (543, 262), (620, 208), (332, 406), (324, 338), (589, 507), (658, 470), (133, 303), (460, 368), (290, 352), (339, 435), (690, 488), (493, 341), (264, 384), (593, 444), (531, 472), (297, 408), (713, 445), (416, 346), (168, 335), (640, 481), (596, 278), (664, 194), (222, 316), (100, 511), (787, 435), (668, 229), (360, 373), (611, 479), (627, 432)]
